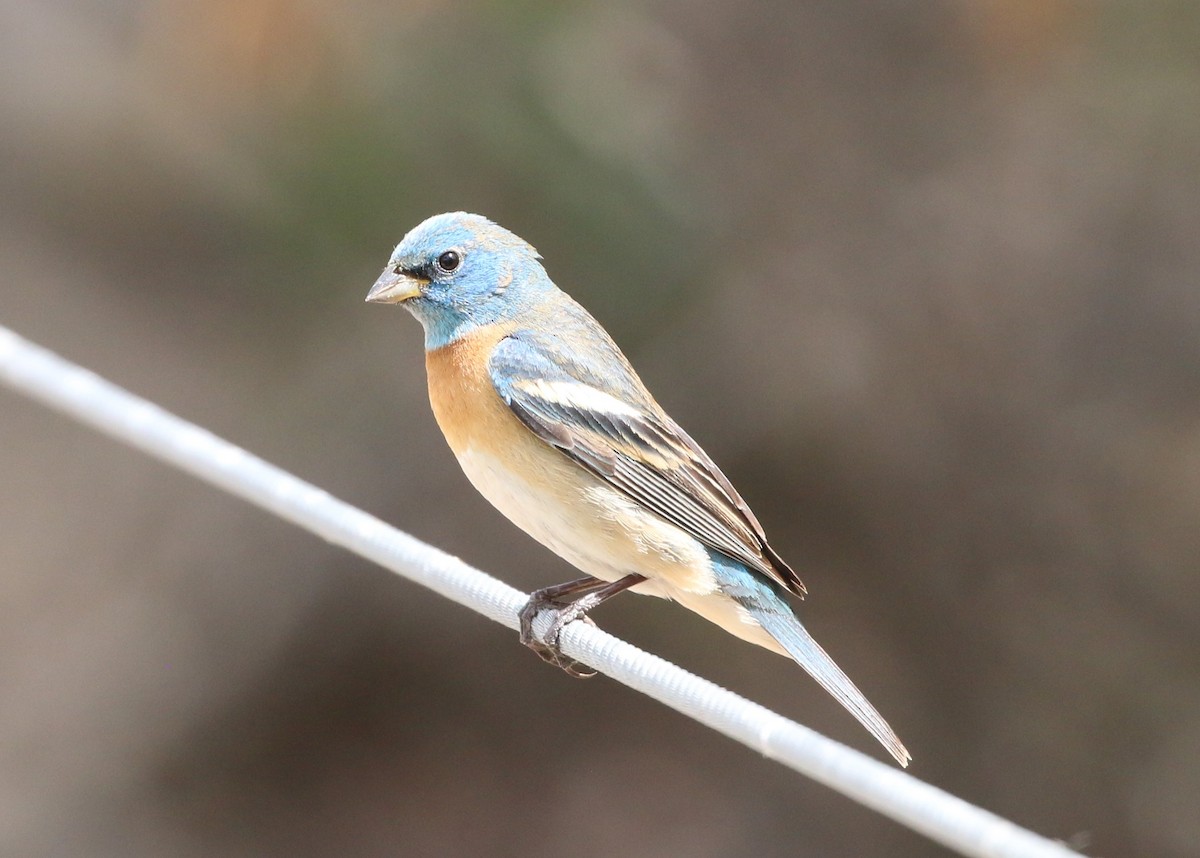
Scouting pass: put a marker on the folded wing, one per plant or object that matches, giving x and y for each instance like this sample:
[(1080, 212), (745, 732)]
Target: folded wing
[(612, 427)]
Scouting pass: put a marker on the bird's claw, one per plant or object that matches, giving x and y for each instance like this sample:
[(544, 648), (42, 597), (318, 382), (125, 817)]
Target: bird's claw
[(547, 645)]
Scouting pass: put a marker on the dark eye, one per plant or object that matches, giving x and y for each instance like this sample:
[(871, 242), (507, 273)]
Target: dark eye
[(448, 261)]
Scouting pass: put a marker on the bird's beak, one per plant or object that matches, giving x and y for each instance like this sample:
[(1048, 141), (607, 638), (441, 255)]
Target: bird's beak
[(393, 288)]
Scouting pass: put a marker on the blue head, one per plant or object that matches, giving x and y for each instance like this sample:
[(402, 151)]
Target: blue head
[(457, 271)]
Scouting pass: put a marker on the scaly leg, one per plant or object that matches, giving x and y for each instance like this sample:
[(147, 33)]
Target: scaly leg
[(569, 602)]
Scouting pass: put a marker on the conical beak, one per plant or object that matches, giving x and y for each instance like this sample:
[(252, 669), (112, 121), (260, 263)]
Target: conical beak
[(393, 288)]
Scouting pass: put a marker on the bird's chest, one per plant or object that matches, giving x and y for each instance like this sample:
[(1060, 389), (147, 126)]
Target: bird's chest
[(533, 484), (465, 403), (552, 498)]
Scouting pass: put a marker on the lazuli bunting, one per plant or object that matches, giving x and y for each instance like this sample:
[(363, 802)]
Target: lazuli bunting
[(553, 426)]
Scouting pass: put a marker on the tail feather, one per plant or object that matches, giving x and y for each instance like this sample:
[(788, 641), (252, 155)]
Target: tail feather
[(766, 605), (793, 637)]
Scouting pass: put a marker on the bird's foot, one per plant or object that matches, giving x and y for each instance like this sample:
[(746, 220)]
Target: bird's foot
[(547, 644), (568, 602)]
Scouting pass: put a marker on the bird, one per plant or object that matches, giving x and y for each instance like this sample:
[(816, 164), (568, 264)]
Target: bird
[(552, 425)]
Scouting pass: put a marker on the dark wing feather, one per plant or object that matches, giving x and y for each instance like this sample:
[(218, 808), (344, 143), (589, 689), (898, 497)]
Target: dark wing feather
[(613, 428)]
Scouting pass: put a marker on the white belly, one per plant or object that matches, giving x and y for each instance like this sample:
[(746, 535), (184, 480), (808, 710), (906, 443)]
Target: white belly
[(599, 530), (590, 524)]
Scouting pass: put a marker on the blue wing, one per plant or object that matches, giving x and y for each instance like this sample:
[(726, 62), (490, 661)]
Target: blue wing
[(609, 424)]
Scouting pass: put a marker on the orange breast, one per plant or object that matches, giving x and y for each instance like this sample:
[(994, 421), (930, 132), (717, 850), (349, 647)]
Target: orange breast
[(465, 403)]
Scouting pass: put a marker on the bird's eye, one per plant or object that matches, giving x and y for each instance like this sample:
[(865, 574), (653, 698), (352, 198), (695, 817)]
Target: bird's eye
[(448, 261)]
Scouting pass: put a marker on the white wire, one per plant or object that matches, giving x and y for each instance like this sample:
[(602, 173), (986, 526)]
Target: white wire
[(972, 831)]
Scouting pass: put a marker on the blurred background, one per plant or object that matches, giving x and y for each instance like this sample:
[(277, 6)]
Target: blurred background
[(920, 277)]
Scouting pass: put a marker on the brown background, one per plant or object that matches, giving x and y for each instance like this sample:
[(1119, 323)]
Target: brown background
[(921, 277)]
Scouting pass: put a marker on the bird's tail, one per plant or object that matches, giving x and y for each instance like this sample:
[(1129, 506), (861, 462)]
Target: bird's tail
[(771, 611), (792, 636)]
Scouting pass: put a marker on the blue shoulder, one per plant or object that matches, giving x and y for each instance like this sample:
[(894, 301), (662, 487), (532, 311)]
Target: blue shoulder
[(580, 353), (523, 355)]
